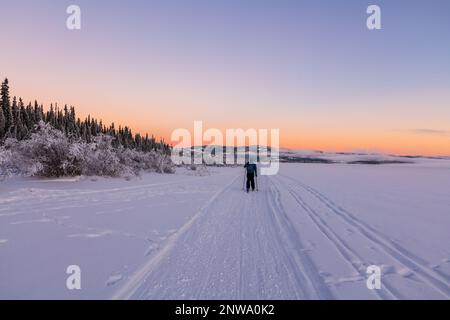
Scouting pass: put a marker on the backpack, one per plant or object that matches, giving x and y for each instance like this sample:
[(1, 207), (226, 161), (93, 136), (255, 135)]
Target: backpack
[(251, 168)]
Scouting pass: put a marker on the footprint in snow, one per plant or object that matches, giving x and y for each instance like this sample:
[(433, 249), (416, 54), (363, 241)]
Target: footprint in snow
[(90, 235), (112, 280), (387, 269), (405, 272), (152, 248), (352, 278)]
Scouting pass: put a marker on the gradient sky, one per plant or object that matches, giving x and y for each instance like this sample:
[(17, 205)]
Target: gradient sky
[(310, 68)]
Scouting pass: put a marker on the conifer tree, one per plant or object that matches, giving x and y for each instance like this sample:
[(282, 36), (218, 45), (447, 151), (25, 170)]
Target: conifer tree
[(2, 124), (6, 105), (18, 121)]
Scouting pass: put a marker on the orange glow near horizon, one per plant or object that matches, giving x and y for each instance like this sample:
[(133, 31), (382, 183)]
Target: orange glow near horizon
[(315, 135), (388, 143)]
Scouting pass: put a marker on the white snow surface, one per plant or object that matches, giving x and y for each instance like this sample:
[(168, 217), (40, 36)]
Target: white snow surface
[(310, 232)]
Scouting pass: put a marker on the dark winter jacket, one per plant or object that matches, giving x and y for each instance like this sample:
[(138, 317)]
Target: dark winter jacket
[(251, 168)]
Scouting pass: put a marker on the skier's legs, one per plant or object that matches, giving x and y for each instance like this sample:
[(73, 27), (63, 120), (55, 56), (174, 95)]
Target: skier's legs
[(250, 181)]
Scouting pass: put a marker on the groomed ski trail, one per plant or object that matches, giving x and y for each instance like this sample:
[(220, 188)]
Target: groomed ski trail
[(287, 241), (238, 246)]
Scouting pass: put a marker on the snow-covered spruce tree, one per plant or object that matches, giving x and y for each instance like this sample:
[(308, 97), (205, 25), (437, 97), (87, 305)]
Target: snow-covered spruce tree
[(163, 163), (5, 106), (14, 119), (99, 157), (136, 161), (47, 153), (2, 123), (5, 160), (14, 162)]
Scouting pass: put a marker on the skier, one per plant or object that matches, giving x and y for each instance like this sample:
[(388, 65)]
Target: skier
[(252, 172)]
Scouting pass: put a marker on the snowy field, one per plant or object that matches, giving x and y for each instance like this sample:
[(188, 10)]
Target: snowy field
[(309, 233)]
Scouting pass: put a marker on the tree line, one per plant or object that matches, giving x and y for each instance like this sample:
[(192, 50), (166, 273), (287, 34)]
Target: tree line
[(18, 121)]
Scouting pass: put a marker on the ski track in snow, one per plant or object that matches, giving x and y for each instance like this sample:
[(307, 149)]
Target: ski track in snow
[(411, 264), (246, 246), (238, 247)]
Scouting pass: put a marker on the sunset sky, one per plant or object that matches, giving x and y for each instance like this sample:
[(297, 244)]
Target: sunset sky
[(310, 68)]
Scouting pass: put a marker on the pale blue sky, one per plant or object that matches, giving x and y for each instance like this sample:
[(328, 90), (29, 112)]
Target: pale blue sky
[(289, 64)]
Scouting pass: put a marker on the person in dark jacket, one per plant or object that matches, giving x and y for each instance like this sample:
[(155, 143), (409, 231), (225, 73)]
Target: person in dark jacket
[(252, 172)]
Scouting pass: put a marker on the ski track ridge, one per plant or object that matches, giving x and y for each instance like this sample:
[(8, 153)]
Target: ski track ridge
[(317, 288), (137, 279), (350, 256), (395, 251)]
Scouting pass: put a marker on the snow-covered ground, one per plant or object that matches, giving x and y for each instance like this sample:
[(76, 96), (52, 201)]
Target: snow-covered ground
[(309, 233)]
